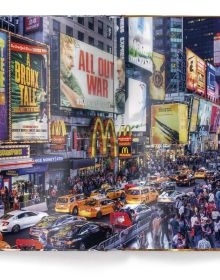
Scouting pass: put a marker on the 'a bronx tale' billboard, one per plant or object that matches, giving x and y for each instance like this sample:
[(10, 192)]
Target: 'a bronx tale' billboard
[(29, 91)]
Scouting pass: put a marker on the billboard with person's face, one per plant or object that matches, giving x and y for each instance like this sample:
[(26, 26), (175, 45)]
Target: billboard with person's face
[(3, 86), (169, 124), (204, 115), (86, 76), (141, 42), (29, 91), (215, 119), (195, 73)]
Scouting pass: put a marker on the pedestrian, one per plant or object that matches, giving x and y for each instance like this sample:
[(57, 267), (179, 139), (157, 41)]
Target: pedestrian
[(204, 243)]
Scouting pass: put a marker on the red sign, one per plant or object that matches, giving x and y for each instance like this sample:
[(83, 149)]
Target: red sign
[(32, 24)]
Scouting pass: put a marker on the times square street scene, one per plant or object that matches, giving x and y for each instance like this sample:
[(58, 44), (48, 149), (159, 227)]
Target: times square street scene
[(109, 133)]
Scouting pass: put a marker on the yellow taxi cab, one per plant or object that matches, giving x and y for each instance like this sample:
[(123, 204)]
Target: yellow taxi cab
[(69, 203), (200, 174), (114, 193), (141, 194), (98, 192), (97, 207), (157, 179), (105, 186), (4, 245)]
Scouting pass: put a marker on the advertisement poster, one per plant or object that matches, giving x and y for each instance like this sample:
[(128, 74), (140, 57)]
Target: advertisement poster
[(194, 115), (29, 91), (157, 80), (169, 124), (195, 73), (3, 87), (211, 82), (119, 85), (141, 42), (204, 116), (32, 24), (135, 106), (86, 76), (217, 49), (58, 135), (215, 119), (125, 146)]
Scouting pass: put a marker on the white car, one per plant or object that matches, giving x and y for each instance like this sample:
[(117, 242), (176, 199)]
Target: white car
[(170, 196), (16, 220)]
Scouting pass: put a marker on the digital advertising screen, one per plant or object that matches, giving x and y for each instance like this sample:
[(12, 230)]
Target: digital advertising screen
[(204, 115), (194, 115)]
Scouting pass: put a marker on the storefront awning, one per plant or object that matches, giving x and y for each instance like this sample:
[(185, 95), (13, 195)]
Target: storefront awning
[(80, 163), (16, 164)]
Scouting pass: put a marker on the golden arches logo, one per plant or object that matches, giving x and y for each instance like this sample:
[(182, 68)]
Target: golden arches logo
[(124, 151), (58, 128), (107, 134), (125, 131)]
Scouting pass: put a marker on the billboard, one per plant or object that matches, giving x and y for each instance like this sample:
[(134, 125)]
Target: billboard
[(135, 106), (215, 119), (204, 116), (217, 49), (169, 124), (194, 115), (3, 86), (86, 76), (211, 82), (195, 73), (119, 85), (58, 135), (14, 152), (141, 42), (157, 80), (32, 24), (29, 91), (125, 146)]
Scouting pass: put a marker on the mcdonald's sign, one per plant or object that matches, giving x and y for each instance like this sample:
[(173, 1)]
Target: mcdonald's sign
[(58, 135), (106, 130), (125, 130), (125, 151)]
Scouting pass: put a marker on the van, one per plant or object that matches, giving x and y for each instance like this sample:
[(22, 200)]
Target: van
[(141, 194)]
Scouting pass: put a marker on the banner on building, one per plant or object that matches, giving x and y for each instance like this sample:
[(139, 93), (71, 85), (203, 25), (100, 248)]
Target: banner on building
[(29, 91), (217, 49), (195, 73), (194, 115), (215, 119), (125, 146), (14, 152), (157, 80), (204, 116), (32, 24), (58, 135), (141, 42), (3, 86), (211, 82), (169, 124)]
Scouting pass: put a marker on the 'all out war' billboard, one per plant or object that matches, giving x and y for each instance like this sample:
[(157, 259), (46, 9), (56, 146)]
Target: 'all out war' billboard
[(29, 91)]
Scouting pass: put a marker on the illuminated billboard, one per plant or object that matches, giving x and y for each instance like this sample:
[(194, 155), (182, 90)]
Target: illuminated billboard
[(135, 106), (169, 124), (194, 115), (141, 42), (86, 76), (215, 119), (195, 73), (217, 49), (204, 115), (157, 80), (211, 82), (3, 86), (29, 96)]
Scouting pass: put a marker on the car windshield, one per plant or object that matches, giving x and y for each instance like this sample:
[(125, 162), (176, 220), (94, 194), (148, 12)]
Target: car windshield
[(46, 221), (133, 192), (68, 230), (91, 203), (62, 200), (6, 217)]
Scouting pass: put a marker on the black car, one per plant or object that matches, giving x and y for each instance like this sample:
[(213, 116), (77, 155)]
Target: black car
[(80, 235), (51, 224)]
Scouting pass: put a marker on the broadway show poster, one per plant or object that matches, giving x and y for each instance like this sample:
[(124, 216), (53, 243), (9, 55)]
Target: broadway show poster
[(157, 80), (86, 76), (169, 124), (3, 86), (215, 119), (194, 115), (211, 82), (195, 73), (204, 115), (141, 42), (29, 91)]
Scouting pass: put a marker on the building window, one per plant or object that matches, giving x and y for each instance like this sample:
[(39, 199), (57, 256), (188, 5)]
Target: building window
[(91, 41), (69, 31), (100, 27), (109, 32), (81, 36), (81, 20), (109, 49), (56, 26), (91, 23), (100, 45)]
